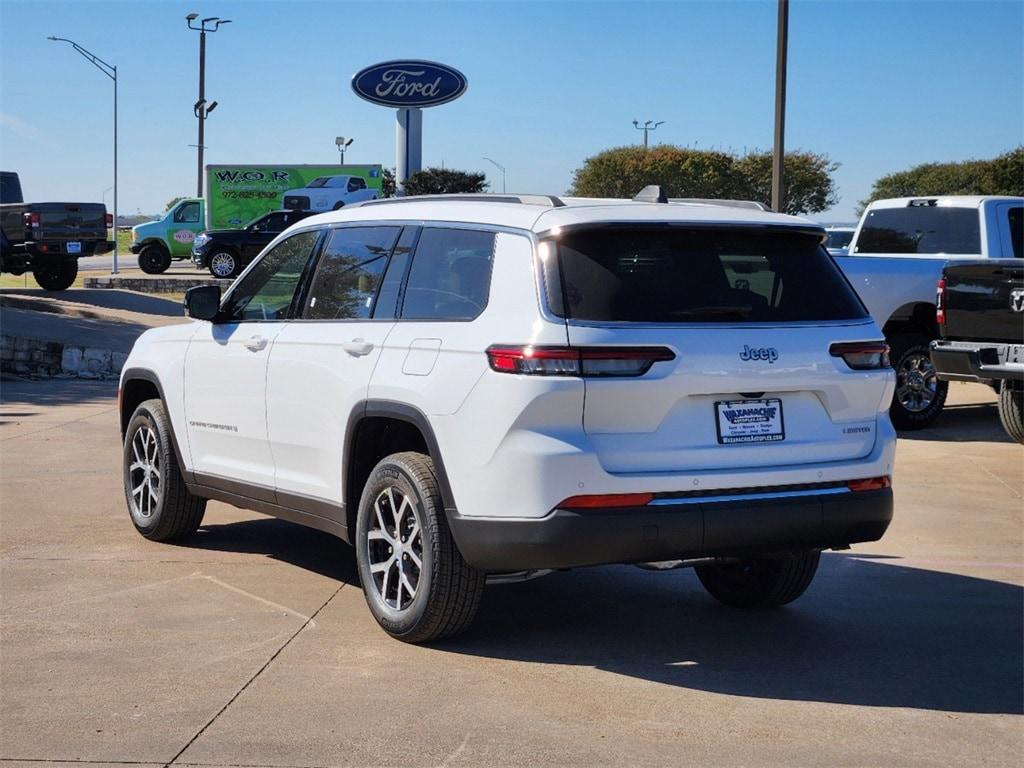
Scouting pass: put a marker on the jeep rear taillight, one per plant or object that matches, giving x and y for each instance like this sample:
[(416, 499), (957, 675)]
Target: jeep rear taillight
[(862, 355), (575, 361), (940, 301)]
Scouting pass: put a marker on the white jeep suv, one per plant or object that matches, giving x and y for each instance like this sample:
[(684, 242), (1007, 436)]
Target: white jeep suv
[(494, 386)]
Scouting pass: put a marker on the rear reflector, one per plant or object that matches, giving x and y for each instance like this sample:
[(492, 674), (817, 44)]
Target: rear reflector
[(575, 361), (862, 355), (607, 501), (870, 484)]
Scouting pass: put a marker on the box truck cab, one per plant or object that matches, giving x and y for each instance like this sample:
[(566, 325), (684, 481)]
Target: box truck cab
[(158, 242)]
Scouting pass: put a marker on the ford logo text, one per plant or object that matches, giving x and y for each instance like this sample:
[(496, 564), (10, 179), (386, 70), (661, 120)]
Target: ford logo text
[(409, 84)]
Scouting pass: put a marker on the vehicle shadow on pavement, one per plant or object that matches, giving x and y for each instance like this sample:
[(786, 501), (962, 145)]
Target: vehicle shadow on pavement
[(306, 548), (18, 393), (107, 298), (867, 632), (963, 423)]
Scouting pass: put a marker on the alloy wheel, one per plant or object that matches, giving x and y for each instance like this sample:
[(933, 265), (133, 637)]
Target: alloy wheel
[(144, 473), (394, 542), (916, 382), (222, 264)]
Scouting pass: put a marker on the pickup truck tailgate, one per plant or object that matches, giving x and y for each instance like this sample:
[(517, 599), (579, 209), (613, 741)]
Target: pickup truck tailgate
[(984, 301)]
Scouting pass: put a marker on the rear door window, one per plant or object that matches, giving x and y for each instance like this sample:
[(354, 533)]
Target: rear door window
[(348, 275), (678, 275), (920, 229), (450, 276)]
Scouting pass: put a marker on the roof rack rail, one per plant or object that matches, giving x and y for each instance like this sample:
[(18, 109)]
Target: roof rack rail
[(473, 197), (749, 204)]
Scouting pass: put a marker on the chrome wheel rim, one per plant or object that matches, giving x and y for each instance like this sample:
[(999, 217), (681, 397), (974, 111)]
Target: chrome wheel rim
[(916, 382), (394, 546), (222, 264), (144, 473)]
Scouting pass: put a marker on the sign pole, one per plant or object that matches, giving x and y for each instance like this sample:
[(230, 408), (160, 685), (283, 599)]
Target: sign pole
[(408, 145)]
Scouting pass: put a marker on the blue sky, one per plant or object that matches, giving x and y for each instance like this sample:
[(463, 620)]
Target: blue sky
[(878, 86)]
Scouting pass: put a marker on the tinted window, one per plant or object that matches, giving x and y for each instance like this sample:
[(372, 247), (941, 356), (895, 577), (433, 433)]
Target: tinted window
[(272, 222), (356, 184), (839, 239), (450, 275), (266, 291), (920, 229), (390, 287), (187, 213), (349, 272), (10, 188), (1015, 220), (648, 275)]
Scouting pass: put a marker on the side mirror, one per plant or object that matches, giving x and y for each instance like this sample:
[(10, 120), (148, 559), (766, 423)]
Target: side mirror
[(203, 302)]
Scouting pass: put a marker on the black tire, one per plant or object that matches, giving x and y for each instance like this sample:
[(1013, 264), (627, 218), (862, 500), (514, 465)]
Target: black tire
[(174, 513), (224, 264), (447, 590), (761, 582), (154, 259), (920, 395), (56, 275), (1011, 409)]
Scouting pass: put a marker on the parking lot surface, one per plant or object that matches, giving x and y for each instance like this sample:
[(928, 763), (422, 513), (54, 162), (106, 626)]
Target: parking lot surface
[(251, 645)]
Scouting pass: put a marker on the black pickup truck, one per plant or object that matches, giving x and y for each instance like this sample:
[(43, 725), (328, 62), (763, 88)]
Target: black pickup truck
[(980, 314), (48, 239)]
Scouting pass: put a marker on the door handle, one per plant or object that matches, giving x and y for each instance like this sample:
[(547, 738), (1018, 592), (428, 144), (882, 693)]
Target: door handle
[(357, 347), (255, 343)]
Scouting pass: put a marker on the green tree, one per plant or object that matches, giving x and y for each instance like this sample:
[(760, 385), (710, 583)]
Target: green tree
[(1003, 175), (441, 181), (683, 172), (387, 182), (808, 184), (173, 202)]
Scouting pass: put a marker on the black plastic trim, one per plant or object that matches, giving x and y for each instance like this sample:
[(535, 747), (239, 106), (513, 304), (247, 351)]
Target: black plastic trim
[(572, 538), (144, 374)]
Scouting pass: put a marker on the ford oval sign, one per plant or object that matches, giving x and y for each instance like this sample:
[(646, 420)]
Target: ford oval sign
[(409, 84)]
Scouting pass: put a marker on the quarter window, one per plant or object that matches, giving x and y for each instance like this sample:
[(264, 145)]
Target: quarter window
[(450, 276), (267, 290), (349, 273), (1015, 221)]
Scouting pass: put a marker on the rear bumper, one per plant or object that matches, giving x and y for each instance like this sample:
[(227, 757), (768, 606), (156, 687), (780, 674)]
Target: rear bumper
[(668, 531), (977, 360), (59, 248)]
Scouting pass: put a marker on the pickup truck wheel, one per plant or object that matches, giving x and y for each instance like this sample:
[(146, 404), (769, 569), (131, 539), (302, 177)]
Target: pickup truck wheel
[(56, 275), (415, 581), (154, 260), (1011, 410), (920, 395), (224, 264), (760, 582), (160, 505)]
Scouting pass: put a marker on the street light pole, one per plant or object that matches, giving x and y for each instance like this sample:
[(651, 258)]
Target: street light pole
[(778, 154), (501, 168), (342, 145), (110, 71), (648, 126), (201, 108)]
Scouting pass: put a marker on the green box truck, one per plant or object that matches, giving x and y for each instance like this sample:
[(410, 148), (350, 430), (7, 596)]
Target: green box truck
[(238, 194)]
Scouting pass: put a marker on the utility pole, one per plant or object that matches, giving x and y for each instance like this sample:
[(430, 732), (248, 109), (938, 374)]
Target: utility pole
[(779, 152), (650, 125), (501, 168), (342, 145), (201, 108), (110, 71)]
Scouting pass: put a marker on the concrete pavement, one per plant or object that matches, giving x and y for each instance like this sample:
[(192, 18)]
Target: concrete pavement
[(251, 645)]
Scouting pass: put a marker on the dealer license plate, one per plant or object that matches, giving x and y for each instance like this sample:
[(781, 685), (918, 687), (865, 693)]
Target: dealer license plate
[(74, 246), (749, 421)]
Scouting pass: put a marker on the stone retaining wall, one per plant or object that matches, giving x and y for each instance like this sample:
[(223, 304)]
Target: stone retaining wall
[(37, 358), (153, 284)]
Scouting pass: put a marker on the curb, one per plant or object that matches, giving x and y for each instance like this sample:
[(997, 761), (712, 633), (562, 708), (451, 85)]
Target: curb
[(152, 284), (36, 358)]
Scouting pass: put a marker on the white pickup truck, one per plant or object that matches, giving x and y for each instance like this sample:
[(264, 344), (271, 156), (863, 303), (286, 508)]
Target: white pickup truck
[(895, 261), (328, 193)]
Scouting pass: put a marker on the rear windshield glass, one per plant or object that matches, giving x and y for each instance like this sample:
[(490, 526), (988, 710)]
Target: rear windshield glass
[(673, 275), (920, 229), (839, 238)]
